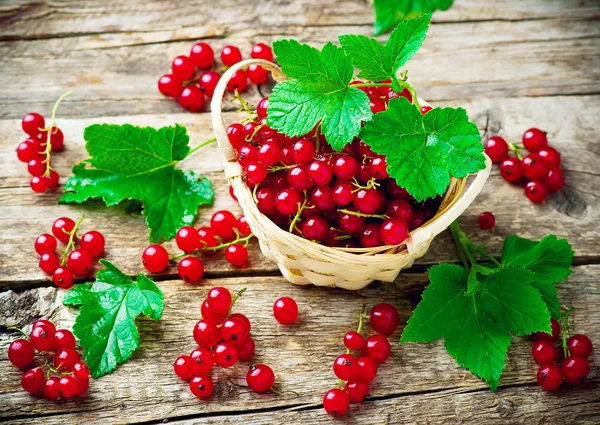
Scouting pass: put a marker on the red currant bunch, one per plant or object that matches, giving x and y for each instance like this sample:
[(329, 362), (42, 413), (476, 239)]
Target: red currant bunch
[(225, 233), (73, 261), (62, 374), (193, 78), (359, 372), (539, 169), (576, 350), (340, 199)]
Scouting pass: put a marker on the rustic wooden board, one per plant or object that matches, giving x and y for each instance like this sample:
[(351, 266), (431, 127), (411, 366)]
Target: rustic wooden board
[(572, 213), (416, 378)]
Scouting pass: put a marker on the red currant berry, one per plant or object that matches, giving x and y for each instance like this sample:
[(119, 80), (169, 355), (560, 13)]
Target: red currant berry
[(269, 153), (243, 226), (208, 239), (222, 223), (44, 322), (549, 377), (202, 55), (554, 180), (51, 388), (287, 155), (496, 148), (155, 258), (346, 367), (21, 353), (170, 86), (82, 386), (246, 349), (533, 166), (79, 262), (260, 378), (65, 359), (538, 336), (315, 228), (511, 170), (262, 51), (384, 318), (265, 198), (49, 263), (367, 368), (32, 123), (322, 198), (261, 107), (285, 310), (397, 192), (68, 386), (206, 334), (379, 168), (377, 105), (304, 151), (486, 220), (63, 338), (51, 179), (550, 157), (208, 82), (190, 269), (62, 227), (425, 109), (345, 167), (320, 172), (366, 201), (534, 139), (45, 244), (535, 191), (203, 360), (257, 74), (393, 231), (230, 55), (234, 330), (239, 81), (342, 193), (370, 237), (357, 390), (211, 315), (288, 201), (57, 139), (236, 254), (37, 166), (27, 151), (247, 154), (336, 402), (187, 239), (184, 367), (32, 381), (298, 178), (183, 67), (191, 98), (354, 341), (81, 370), (377, 347), (543, 352), (256, 172), (93, 242), (401, 209), (575, 369), (201, 386), (579, 346), (235, 134), (219, 299), (226, 354)]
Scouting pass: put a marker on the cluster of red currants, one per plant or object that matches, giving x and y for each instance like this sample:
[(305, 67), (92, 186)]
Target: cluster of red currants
[(576, 350), (61, 372), (73, 261), (191, 87), (224, 338), (226, 232), (359, 372), (344, 199), (35, 151), (540, 168)]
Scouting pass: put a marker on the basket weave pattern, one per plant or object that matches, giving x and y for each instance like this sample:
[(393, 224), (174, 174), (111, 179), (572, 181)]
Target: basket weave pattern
[(304, 262)]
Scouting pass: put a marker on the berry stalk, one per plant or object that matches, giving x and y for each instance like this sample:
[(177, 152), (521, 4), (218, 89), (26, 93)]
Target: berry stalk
[(50, 130), (71, 244)]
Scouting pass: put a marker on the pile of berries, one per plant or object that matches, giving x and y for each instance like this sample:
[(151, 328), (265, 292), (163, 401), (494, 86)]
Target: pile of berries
[(224, 338), (226, 232), (344, 199), (359, 372), (193, 77), (576, 349), (58, 371), (540, 169)]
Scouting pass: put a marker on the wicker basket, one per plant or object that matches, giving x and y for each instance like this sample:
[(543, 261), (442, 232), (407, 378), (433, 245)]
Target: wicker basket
[(302, 261)]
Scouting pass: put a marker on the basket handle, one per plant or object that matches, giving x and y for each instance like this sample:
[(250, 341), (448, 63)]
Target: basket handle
[(418, 242), (217, 102)]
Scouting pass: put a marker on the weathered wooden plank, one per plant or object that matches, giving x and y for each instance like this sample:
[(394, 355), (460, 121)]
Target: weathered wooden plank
[(572, 213), (145, 389), (117, 74), (45, 19)]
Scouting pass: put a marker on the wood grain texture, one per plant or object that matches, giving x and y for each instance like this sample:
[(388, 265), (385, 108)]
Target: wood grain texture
[(420, 375), (572, 213)]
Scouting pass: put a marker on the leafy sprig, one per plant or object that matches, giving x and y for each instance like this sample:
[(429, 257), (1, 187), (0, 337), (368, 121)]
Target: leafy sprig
[(388, 13)]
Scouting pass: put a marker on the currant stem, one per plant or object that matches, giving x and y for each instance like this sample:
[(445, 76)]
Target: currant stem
[(245, 106), (201, 145), (235, 298), (285, 391), (461, 240), (566, 332), (71, 243), (359, 214), (515, 149), (484, 254), (50, 129), (14, 328), (279, 168), (239, 239), (298, 213)]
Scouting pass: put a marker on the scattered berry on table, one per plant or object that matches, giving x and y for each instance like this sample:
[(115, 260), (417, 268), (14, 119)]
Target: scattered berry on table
[(285, 310), (384, 318), (486, 220), (260, 378)]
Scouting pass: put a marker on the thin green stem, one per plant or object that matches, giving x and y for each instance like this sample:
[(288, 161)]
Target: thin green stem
[(285, 391), (201, 145), (14, 328), (488, 256), (245, 106), (279, 168), (456, 232), (359, 214), (71, 244), (50, 129), (298, 213), (566, 332), (245, 240), (515, 149), (234, 299)]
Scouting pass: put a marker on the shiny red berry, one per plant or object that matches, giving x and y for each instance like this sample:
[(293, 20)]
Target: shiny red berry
[(336, 402), (370, 236), (261, 107), (206, 333), (288, 201), (550, 157), (230, 55), (285, 310), (201, 386), (377, 347), (579, 346), (62, 227), (543, 352), (357, 390), (262, 51), (51, 388), (79, 262), (575, 369), (187, 239), (65, 359), (184, 367), (21, 353), (170, 85), (486, 220), (81, 370), (533, 166), (234, 330), (367, 368), (183, 67), (203, 360), (202, 55), (32, 123), (257, 74), (222, 223), (191, 98), (346, 367), (256, 172), (393, 231), (38, 184), (155, 258), (208, 239), (549, 377), (554, 180), (33, 380), (93, 242), (190, 269), (219, 299), (208, 82), (226, 354), (496, 148), (384, 318), (260, 378), (49, 263), (27, 150), (246, 349), (269, 153), (534, 139), (64, 338), (535, 191), (239, 81), (45, 244), (354, 341)]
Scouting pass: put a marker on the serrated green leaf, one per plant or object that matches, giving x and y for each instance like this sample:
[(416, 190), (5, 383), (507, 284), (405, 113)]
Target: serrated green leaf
[(79, 294), (550, 297), (129, 162), (422, 152), (319, 92), (389, 12), (378, 62), (105, 325)]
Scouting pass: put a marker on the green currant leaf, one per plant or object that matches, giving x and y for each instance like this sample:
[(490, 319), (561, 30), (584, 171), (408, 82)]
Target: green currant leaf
[(388, 13), (133, 163), (319, 92), (105, 325), (423, 152), (378, 62)]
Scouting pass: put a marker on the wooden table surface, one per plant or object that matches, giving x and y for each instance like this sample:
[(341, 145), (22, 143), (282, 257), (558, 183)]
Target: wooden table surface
[(512, 64)]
